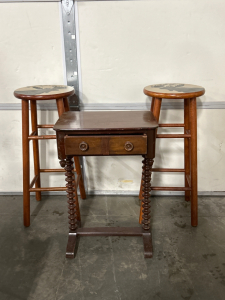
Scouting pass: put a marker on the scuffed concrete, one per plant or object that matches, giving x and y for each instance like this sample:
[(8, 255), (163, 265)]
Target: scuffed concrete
[(188, 263)]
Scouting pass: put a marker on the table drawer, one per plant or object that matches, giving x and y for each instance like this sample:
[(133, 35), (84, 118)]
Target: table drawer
[(106, 145)]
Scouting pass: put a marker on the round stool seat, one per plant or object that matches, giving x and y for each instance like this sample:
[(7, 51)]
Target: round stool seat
[(44, 92), (174, 90)]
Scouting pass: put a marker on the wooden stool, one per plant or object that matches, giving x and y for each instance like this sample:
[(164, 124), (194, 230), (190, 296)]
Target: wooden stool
[(114, 133), (32, 94), (188, 92)]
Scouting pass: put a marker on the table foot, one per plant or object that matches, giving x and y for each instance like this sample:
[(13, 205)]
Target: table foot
[(147, 240), (71, 245)]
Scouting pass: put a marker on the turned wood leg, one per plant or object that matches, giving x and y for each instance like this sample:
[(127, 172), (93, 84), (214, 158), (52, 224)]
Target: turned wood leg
[(157, 113), (194, 183), (26, 163), (72, 207), (33, 108), (155, 108), (187, 177), (76, 160), (147, 237), (152, 104)]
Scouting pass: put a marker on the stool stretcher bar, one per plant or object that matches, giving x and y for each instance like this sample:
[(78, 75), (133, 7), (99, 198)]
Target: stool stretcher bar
[(45, 126), (52, 170), (168, 170), (42, 137), (47, 189), (165, 188), (171, 125), (33, 181), (173, 136)]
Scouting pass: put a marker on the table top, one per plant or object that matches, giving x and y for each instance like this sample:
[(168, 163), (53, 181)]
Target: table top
[(105, 120), (174, 90), (44, 92)]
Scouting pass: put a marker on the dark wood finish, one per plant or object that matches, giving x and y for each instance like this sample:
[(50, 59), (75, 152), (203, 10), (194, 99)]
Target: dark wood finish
[(33, 108), (147, 240), (105, 145), (89, 133), (87, 121), (71, 244), (110, 231), (26, 163), (155, 109), (147, 165), (72, 208), (77, 162)]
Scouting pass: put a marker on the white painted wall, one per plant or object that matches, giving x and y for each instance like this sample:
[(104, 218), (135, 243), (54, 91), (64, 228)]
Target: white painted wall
[(127, 45), (124, 45)]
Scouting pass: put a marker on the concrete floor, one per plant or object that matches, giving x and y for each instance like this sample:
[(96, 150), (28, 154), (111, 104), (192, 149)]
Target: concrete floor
[(188, 263)]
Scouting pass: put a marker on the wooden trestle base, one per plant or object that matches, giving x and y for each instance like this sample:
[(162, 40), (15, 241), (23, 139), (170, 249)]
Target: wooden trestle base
[(105, 134), (109, 231)]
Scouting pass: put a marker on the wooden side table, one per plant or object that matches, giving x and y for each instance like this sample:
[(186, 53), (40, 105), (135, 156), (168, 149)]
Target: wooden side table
[(188, 92), (107, 133), (31, 94)]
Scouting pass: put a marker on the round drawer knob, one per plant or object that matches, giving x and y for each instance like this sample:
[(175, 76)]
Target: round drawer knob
[(83, 146), (129, 146)]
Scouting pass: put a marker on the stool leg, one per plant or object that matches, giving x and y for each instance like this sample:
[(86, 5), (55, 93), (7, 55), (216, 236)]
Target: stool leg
[(187, 148), (26, 163), (155, 109), (33, 108), (60, 106), (76, 160), (66, 104), (194, 184), (152, 104)]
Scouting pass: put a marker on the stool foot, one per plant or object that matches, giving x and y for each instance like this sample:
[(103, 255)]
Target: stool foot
[(148, 249), (187, 196)]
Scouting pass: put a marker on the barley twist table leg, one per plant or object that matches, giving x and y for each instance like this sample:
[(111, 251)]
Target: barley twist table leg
[(147, 237), (72, 207)]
